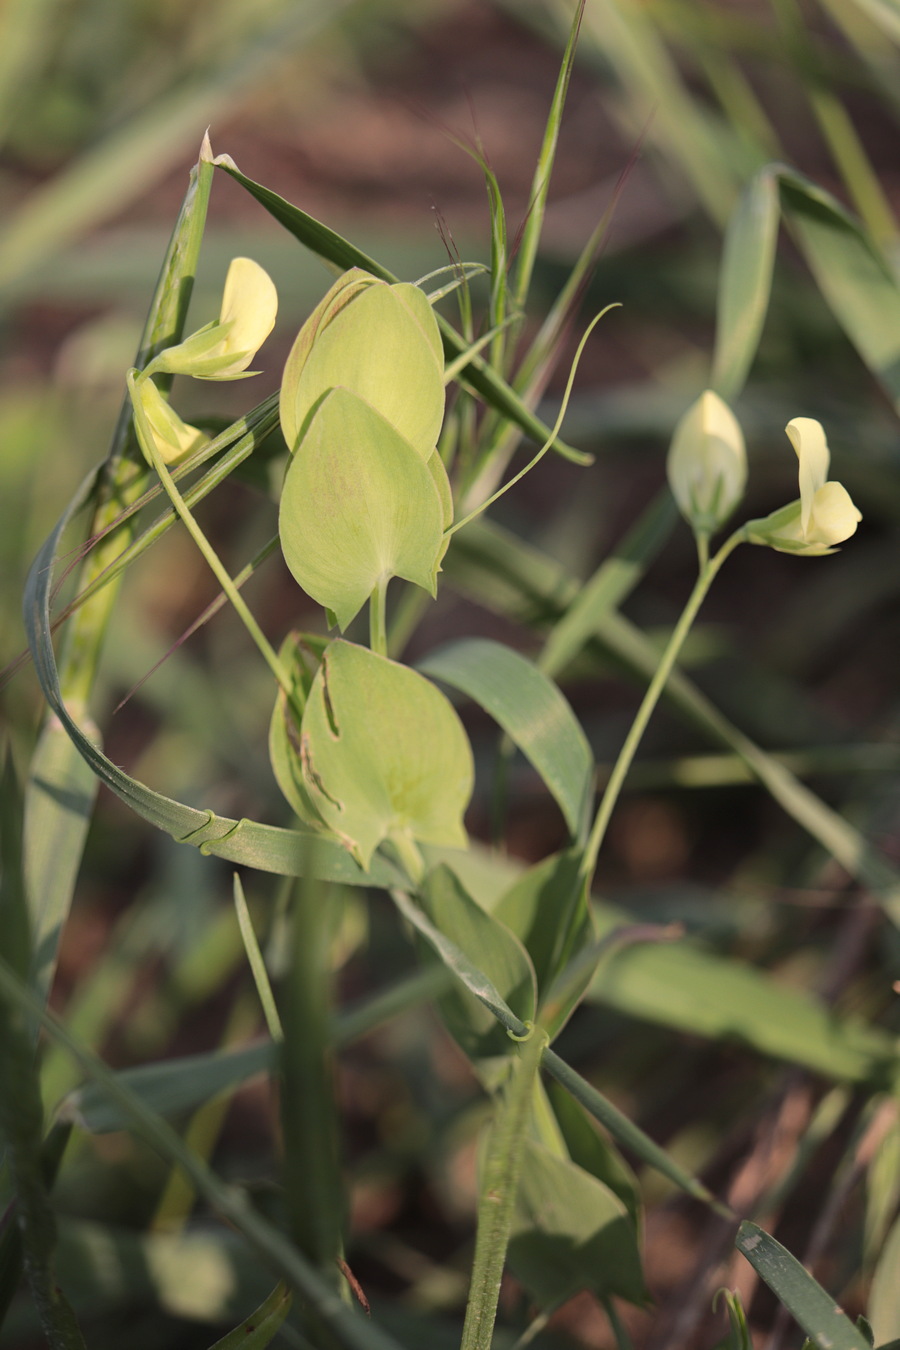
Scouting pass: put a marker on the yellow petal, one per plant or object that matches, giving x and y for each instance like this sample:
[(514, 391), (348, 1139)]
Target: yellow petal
[(834, 517), (249, 307), (807, 436)]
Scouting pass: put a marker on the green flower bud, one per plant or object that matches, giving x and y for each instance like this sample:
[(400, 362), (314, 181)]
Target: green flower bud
[(825, 514), (174, 440), (707, 463)]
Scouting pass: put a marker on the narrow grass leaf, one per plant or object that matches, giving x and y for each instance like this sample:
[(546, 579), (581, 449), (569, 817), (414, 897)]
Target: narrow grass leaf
[(808, 1303), (456, 960), (59, 803), (349, 1331), (498, 954), (884, 1296), (851, 273), (261, 1327), (885, 13), (257, 963), (531, 710), (625, 1132), (333, 248), (240, 841), (170, 1088), (745, 283), (623, 34), (540, 184)]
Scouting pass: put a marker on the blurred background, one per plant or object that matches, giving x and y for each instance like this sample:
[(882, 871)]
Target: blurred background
[(361, 113)]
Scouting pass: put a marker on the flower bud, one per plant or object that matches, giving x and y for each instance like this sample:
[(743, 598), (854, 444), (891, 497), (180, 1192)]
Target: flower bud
[(174, 440), (707, 463)]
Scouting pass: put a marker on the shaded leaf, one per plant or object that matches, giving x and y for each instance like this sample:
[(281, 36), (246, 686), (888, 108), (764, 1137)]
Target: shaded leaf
[(530, 709), (491, 947), (570, 1232), (261, 1326), (546, 909), (884, 1296)]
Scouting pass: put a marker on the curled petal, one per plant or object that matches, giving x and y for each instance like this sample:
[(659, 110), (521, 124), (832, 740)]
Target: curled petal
[(249, 307), (224, 349), (833, 517), (807, 436)]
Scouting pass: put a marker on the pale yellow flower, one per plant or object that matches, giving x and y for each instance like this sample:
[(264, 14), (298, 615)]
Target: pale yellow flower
[(224, 349), (825, 514)]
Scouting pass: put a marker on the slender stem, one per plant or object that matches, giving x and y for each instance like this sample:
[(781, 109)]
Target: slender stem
[(148, 445), (457, 525), (502, 1168), (650, 700), (408, 853), (378, 616), (702, 540)]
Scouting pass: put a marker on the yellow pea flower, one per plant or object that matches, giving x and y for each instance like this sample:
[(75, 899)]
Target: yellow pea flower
[(223, 349), (825, 514), (173, 438), (707, 463)]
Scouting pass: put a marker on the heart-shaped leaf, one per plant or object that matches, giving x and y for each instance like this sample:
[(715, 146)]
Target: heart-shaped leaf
[(382, 343), (384, 754), (359, 505)]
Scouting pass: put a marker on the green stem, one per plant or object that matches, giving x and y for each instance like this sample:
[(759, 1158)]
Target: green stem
[(502, 1168), (378, 617), (148, 445), (650, 700)]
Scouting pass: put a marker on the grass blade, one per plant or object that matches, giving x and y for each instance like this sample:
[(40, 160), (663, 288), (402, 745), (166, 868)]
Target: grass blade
[(532, 712), (349, 1331), (261, 1327), (825, 1324), (745, 283), (333, 248), (257, 963)]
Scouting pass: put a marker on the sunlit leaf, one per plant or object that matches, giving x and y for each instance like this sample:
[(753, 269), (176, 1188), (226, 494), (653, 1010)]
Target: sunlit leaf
[(381, 343), (359, 505), (385, 755)]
